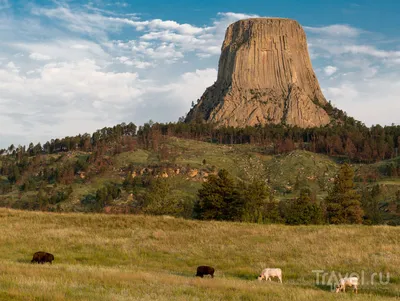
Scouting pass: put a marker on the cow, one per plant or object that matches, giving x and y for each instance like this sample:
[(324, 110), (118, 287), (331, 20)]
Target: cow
[(205, 270), (347, 281), (42, 257), (269, 273)]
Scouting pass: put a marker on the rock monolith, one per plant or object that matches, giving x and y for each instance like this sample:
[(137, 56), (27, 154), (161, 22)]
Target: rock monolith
[(264, 76)]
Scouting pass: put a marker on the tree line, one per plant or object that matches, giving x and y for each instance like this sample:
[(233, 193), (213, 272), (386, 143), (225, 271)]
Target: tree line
[(224, 198), (221, 198), (348, 138)]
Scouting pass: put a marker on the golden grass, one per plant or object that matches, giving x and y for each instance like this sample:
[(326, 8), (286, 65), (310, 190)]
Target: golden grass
[(120, 257)]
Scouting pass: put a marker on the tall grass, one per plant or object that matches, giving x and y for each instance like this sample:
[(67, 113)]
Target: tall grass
[(121, 257)]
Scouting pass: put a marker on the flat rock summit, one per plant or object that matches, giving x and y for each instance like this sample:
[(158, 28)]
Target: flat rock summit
[(264, 76)]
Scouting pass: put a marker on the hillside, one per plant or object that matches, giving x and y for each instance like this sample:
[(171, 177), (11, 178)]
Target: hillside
[(133, 257), (74, 177)]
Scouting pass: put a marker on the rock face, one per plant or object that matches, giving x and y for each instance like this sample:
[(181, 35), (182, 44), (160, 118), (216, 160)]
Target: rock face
[(264, 76)]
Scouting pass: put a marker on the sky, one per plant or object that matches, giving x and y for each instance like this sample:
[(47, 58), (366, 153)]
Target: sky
[(75, 66)]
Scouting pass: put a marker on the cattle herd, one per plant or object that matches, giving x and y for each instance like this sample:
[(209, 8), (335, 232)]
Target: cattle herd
[(266, 274)]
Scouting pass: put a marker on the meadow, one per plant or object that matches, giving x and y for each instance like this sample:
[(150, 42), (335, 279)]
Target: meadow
[(131, 257)]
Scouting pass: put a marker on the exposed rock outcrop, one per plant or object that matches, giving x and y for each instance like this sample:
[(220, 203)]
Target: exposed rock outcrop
[(264, 76)]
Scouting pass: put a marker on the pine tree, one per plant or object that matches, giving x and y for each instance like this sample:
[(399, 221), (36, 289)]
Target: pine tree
[(302, 211), (370, 203), (343, 201), (42, 199), (398, 201), (218, 198), (258, 206)]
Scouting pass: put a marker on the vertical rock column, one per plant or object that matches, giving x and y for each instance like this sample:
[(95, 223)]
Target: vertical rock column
[(264, 76)]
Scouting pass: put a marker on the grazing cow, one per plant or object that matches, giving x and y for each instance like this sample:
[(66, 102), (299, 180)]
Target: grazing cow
[(268, 273), (348, 281), (205, 270), (42, 257)]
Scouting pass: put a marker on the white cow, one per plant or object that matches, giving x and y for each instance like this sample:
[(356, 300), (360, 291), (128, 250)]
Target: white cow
[(348, 281), (269, 273)]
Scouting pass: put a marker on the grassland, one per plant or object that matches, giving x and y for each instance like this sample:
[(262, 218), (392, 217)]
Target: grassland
[(127, 257)]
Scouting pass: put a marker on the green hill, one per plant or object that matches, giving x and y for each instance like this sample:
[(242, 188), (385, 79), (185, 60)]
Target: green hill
[(67, 179)]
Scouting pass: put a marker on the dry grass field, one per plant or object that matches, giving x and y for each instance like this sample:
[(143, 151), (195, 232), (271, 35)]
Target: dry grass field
[(125, 257)]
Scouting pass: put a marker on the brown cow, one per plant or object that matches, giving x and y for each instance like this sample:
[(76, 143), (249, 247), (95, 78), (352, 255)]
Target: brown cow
[(42, 257), (205, 270)]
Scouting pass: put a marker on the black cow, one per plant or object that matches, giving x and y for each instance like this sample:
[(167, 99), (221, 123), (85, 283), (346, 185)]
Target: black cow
[(42, 257), (205, 270)]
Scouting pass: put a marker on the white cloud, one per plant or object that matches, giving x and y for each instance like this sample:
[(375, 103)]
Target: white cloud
[(95, 22), (61, 82), (203, 55), (66, 98), (12, 67), (192, 85), (323, 42), (132, 62), (78, 21), (235, 16), (174, 99), (66, 49), (371, 101), (39, 57), (204, 41), (164, 51), (338, 30), (329, 70), (367, 82), (158, 24), (183, 37), (370, 50), (122, 4), (80, 46), (51, 99), (345, 90)]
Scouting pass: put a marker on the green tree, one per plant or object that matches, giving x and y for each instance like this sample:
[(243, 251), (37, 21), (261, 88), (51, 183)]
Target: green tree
[(11, 148), (14, 175), (258, 205), (130, 183), (42, 199), (104, 196), (302, 211), (343, 202), (397, 201), (370, 204), (218, 199), (159, 200)]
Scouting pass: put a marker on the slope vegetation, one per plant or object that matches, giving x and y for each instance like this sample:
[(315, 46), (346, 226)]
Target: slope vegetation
[(133, 257)]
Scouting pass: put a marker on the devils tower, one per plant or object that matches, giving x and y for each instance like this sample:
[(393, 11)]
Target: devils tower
[(264, 76)]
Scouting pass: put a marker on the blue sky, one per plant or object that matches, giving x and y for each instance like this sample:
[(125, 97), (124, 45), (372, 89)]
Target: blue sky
[(69, 67)]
